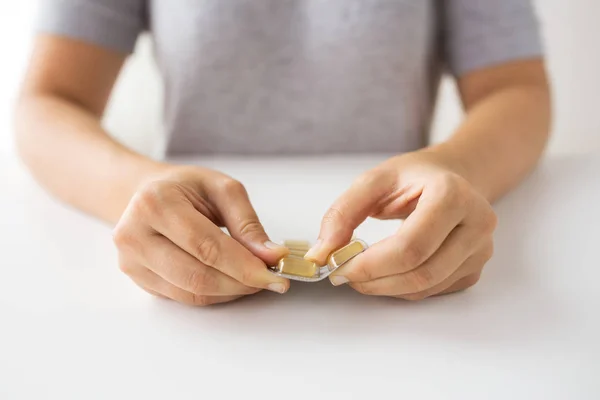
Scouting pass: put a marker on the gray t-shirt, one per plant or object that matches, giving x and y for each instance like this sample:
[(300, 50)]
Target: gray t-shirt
[(303, 76)]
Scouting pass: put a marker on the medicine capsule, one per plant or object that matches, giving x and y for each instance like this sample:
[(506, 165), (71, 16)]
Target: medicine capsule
[(297, 266), (297, 244), (345, 254), (297, 247)]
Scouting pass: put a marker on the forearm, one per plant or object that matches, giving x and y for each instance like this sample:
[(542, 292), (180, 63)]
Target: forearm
[(501, 139), (69, 154)]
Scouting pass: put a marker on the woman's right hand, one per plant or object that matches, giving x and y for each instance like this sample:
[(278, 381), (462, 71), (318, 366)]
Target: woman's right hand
[(170, 243)]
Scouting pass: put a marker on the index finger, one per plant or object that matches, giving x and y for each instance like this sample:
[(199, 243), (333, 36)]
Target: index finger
[(421, 234), (232, 201), (347, 213), (198, 236)]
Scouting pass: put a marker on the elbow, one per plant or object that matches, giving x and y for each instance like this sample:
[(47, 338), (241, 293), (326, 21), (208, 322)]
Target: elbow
[(541, 99), (537, 89), (23, 138), (30, 142), (532, 105), (28, 124)]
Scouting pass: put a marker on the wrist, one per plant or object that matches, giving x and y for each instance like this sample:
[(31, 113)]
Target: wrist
[(147, 170), (456, 159), (133, 171)]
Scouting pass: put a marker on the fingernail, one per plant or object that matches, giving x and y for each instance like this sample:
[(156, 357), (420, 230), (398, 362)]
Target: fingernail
[(274, 246), (277, 287), (312, 252), (338, 280)]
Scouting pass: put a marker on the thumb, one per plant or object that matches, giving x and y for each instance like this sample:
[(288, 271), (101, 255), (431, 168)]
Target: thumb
[(243, 224), (360, 201)]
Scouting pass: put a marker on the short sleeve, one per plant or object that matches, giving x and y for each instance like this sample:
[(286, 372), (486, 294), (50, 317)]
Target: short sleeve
[(114, 24), (482, 33)]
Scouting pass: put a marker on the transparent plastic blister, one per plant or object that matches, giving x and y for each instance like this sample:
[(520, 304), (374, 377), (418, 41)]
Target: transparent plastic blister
[(295, 267)]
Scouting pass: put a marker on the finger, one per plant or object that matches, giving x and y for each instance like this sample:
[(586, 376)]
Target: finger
[(401, 209), (130, 267), (201, 301), (421, 234), (182, 270), (461, 284), (349, 211), (154, 284), (233, 204), (194, 233), (464, 277), (152, 292), (461, 244)]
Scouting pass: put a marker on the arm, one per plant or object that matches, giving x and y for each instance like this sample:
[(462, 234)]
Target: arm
[(506, 126), (59, 132), (443, 192), (167, 235)]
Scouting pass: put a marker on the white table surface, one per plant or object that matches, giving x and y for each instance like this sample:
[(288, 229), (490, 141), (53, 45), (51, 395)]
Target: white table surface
[(73, 327)]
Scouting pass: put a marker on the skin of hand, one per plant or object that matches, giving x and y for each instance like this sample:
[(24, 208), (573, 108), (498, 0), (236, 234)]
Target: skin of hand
[(167, 217), (170, 243), (443, 193), (443, 243), (58, 131)]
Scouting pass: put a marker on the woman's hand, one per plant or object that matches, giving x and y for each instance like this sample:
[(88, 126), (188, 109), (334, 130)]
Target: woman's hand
[(442, 245), (170, 243)]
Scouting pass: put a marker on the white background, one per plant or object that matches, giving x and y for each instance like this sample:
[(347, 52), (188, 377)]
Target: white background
[(570, 30), (72, 326), (527, 330)]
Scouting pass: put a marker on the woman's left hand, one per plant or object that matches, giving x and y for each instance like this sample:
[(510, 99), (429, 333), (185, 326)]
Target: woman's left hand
[(442, 245)]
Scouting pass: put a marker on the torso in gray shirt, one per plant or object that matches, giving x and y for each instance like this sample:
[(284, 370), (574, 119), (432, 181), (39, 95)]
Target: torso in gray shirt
[(303, 76)]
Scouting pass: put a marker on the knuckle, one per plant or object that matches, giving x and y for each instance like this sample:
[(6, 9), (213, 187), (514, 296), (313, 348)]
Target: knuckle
[(453, 189), (333, 215), (200, 281), (413, 255), (490, 221), (230, 186), (149, 199), (207, 251), (126, 268), (415, 296), (367, 180), (173, 218), (471, 280), (361, 272), (463, 284), (421, 280), (446, 183), (122, 238), (251, 227), (362, 288), (247, 277), (487, 252), (200, 300)]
